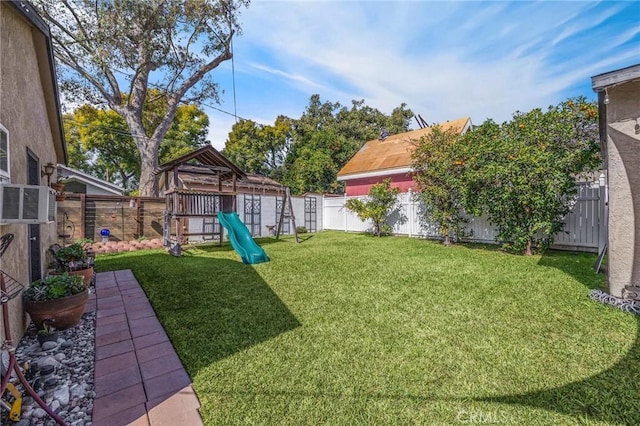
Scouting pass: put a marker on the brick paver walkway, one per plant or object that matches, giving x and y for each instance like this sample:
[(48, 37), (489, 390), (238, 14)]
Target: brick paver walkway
[(139, 379)]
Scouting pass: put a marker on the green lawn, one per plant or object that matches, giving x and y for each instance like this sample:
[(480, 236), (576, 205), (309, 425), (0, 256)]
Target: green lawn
[(349, 329)]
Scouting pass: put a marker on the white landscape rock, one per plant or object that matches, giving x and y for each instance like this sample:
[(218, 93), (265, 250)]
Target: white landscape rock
[(73, 359)]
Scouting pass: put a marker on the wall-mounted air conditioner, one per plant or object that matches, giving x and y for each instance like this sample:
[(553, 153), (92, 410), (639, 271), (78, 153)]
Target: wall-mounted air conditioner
[(27, 204)]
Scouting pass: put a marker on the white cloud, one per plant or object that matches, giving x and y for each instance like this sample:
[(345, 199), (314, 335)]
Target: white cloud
[(445, 60)]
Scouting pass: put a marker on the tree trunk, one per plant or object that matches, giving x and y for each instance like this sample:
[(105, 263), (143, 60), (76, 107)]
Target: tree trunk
[(447, 240), (148, 186), (148, 148), (528, 251)]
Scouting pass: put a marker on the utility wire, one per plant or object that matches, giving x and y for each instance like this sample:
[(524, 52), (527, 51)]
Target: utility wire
[(233, 79)]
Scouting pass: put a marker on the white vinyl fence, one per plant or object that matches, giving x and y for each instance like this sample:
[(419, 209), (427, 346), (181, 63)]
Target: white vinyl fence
[(582, 230)]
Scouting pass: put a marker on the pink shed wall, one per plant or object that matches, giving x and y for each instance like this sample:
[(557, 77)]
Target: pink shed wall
[(361, 186)]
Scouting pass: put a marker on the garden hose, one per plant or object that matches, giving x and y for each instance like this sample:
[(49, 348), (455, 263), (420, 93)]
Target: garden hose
[(627, 305)]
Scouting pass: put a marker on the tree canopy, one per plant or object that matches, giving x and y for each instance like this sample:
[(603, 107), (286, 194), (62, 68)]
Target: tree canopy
[(114, 52), (259, 148), (306, 153), (523, 173), (99, 141), (437, 171)]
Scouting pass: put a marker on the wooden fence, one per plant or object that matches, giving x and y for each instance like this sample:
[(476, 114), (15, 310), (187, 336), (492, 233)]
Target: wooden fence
[(82, 216)]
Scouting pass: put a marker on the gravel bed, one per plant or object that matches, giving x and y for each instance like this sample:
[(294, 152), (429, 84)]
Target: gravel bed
[(69, 387)]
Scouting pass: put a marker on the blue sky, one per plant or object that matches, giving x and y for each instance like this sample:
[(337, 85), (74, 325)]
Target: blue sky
[(445, 60)]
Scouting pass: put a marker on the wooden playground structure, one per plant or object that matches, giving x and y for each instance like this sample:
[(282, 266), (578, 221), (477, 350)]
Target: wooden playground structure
[(182, 204)]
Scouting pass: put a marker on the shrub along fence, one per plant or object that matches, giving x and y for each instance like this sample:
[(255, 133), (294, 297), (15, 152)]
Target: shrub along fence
[(129, 218), (584, 228), (82, 216)]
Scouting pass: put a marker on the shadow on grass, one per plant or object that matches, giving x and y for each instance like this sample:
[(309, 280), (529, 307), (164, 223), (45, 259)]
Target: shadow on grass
[(211, 308), (611, 396)]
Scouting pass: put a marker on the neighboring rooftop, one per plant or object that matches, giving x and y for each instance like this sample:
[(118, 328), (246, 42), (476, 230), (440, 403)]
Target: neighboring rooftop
[(77, 181), (394, 152)]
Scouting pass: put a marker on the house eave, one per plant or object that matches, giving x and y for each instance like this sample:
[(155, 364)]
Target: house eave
[(44, 52), (613, 78), (375, 173)]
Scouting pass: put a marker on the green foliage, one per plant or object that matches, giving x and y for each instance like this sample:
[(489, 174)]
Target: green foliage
[(54, 287), (103, 137), (307, 153), (100, 142), (437, 171), (113, 53), (346, 329), (311, 167), (301, 230), (523, 173), (258, 148), (381, 201), (70, 258)]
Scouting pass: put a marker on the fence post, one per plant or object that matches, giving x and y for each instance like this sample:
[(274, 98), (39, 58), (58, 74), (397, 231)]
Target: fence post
[(344, 206), (83, 214), (410, 211)]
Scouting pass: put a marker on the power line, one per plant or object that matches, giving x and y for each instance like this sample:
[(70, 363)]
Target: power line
[(233, 79), (233, 114)]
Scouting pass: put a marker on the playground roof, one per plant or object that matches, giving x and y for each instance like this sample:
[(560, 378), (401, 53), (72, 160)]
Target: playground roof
[(209, 157), (197, 176)]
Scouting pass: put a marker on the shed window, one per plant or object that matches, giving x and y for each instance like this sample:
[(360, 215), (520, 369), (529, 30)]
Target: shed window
[(5, 177)]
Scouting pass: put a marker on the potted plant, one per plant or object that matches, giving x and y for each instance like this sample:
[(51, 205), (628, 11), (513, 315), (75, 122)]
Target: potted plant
[(58, 186), (57, 300), (73, 259), (47, 333)]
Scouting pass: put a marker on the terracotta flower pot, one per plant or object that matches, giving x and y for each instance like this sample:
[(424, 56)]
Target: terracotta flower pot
[(58, 187), (86, 274), (61, 313)]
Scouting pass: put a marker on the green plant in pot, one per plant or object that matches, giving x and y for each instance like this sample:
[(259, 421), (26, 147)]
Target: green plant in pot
[(73, 259), (58, 300), (47, 333)]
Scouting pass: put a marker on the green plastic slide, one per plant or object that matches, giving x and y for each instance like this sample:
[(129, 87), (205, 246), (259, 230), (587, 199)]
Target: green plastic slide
[(241, 240)]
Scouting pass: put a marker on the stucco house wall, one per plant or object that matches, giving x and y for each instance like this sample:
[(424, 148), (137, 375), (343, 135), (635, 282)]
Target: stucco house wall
[(29, 113), (622, 151)]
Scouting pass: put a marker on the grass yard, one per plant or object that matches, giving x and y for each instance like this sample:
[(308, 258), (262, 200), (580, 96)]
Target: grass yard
[(347, 329)]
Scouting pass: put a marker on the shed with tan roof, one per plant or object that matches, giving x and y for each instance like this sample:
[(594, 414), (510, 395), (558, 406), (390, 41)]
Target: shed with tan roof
[(390, 157)]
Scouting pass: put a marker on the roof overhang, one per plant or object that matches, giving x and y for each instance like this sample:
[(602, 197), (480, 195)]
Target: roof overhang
[(44, 52), (209, 157), (376, 173), (78, 176), (607, 80)]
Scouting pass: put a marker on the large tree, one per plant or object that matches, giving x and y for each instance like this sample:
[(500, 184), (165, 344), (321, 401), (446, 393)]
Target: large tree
[(307, 153), (327, 135), (259, 148), (100, 143), (113, 52), (523, 173), (437, 171)]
